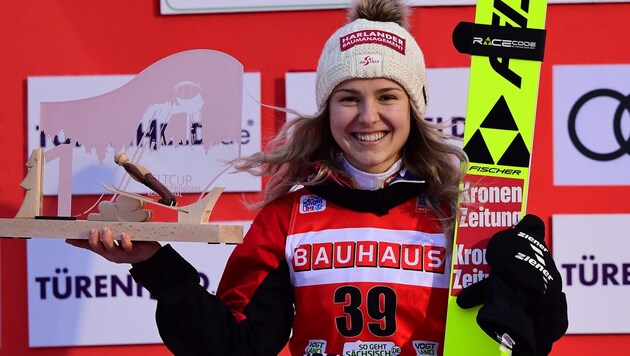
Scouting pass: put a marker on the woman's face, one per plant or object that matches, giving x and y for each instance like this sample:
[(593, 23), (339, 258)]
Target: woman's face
[(370, 120)]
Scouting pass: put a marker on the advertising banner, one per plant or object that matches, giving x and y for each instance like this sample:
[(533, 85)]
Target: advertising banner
[(76, 298), (172, 7), (591, 121), (590, 252)]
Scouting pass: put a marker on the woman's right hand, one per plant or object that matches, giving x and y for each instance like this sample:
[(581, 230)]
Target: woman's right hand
[(122, 251)]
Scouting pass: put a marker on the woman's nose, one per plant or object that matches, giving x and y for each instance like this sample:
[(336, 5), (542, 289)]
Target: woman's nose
[(368, 112)]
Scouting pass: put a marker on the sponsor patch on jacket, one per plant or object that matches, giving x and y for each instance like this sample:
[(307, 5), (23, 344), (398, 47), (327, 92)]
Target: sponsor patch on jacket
[(316, 347), (425, 347), (376, 254), (311, 204), (375, 348), (421, 204)]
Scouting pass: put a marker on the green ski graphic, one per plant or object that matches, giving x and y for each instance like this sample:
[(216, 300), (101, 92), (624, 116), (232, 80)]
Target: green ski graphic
[(506, 44)]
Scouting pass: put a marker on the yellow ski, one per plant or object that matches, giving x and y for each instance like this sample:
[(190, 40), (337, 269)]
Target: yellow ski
[(506, 44)]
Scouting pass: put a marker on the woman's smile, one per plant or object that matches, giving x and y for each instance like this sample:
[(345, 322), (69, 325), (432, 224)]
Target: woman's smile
[(370, 120)]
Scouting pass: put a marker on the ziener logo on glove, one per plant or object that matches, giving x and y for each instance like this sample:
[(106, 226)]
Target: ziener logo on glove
[(533, 240), (539, 262)]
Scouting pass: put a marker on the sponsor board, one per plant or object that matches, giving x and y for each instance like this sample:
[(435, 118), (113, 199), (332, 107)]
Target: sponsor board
[(173, 7), (371, 348), (591, 253), (74, 295), (591, 125), (493, 204)]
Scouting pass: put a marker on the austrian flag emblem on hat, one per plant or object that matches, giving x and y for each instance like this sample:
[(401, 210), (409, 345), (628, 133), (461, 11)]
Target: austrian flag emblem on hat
[(369, 60), (372, 36)]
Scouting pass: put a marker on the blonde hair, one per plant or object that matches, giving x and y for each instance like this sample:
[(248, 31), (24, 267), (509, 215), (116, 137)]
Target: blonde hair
[(306, 142), (305, 145)]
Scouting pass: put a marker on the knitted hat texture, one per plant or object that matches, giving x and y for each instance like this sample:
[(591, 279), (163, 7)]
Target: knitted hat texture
[(372, 49)]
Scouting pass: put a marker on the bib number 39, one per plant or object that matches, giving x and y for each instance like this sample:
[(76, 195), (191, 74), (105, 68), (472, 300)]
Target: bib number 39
[(380, 302)]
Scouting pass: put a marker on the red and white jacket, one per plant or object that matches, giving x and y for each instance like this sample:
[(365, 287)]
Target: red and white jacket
[(358, 273)]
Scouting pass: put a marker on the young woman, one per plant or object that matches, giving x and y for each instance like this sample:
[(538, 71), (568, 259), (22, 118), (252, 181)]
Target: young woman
[(349, 253)]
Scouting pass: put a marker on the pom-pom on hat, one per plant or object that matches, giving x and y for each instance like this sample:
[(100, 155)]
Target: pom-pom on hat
[(374, 44)]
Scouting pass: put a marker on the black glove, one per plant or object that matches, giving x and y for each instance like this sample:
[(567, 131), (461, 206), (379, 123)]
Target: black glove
[(521, 258), (523, 294), (503, 311)]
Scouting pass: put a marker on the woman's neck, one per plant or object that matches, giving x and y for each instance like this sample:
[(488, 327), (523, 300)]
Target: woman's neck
[(370, 181)]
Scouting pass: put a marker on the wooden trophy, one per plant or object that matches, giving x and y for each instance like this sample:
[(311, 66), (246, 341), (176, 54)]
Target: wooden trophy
[(114, 118)]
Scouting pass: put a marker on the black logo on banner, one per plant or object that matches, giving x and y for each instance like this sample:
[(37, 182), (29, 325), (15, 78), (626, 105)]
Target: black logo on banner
[(499, 118), (624, 142)]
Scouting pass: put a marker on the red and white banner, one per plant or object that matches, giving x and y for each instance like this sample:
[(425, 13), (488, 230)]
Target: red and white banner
[(172, 7)]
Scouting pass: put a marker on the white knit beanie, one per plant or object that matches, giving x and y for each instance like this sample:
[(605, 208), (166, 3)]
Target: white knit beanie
[(373, 45)]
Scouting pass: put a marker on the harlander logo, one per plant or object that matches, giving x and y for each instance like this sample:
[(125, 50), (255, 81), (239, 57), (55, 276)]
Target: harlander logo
[(311, 204), (384, 38)]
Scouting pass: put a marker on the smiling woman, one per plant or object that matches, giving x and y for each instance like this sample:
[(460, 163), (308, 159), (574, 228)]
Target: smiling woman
[(71, 35), (370, 121), (356, 223)]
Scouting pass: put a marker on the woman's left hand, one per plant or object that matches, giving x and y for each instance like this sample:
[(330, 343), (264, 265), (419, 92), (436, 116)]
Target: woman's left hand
[(122, 251)]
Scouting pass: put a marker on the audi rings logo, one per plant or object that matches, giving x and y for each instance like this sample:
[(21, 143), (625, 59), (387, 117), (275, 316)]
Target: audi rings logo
[(623, 142)]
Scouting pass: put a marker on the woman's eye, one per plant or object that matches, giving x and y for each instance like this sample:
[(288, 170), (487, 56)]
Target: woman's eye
[(387, 97), (349, 99)]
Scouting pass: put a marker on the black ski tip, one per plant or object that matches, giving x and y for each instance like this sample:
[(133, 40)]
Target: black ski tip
[(461, 37)]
